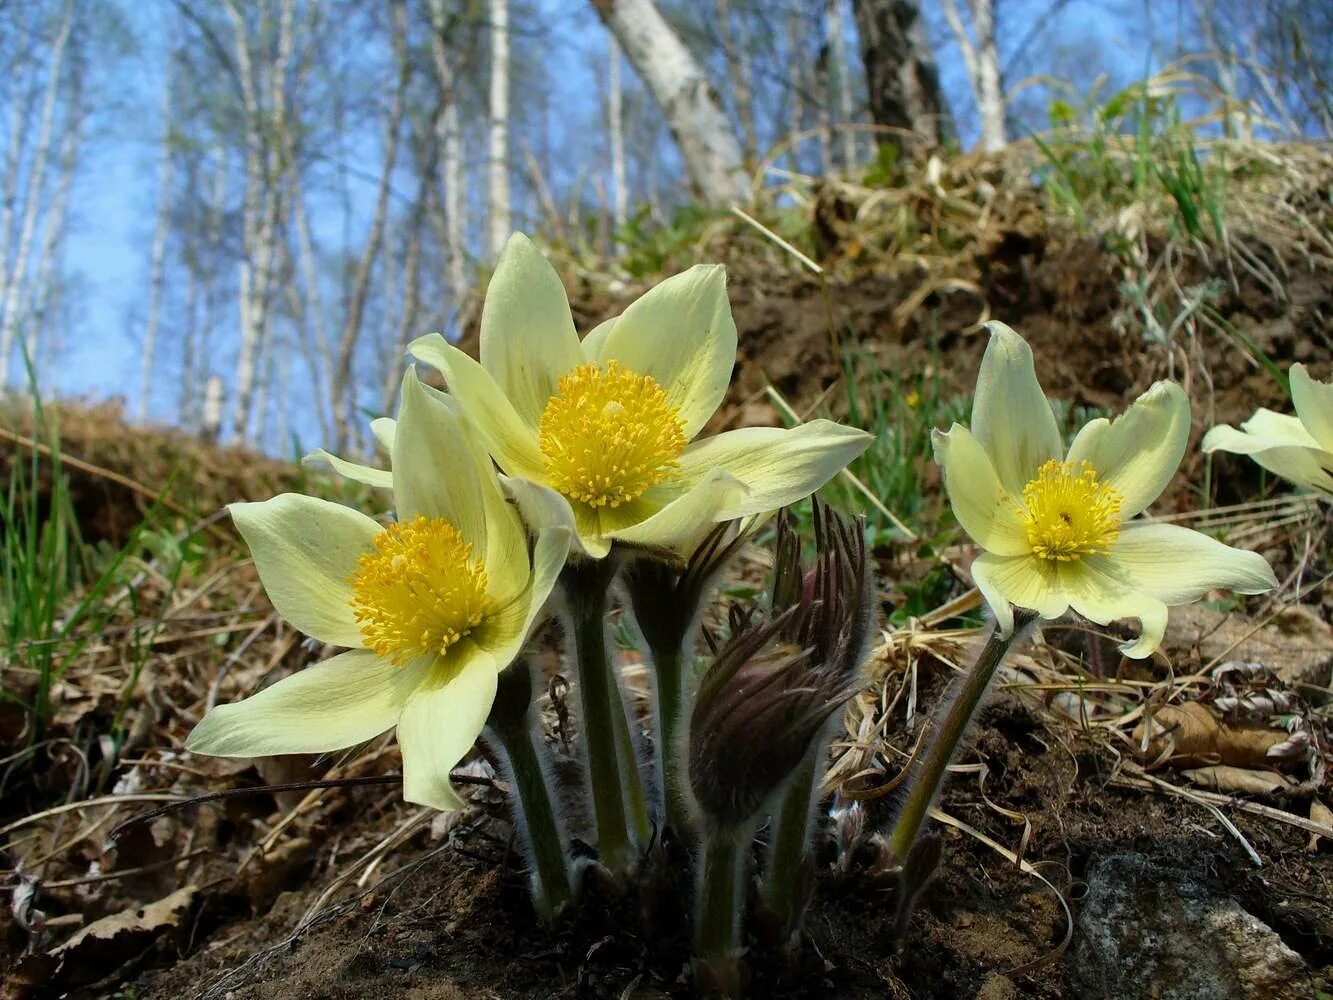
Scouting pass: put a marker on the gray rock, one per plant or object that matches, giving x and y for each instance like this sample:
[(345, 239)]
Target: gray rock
[(1154, 932)]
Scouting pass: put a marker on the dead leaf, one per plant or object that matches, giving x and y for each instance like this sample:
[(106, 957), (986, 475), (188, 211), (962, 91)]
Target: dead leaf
[(1190, 735), (1224, 778), (106, 944), (278, 870)]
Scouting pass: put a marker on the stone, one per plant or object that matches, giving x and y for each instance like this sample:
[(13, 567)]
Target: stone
[(1155, 932)]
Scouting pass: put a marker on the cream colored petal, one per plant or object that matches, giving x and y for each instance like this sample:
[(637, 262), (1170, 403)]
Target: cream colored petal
[(1139, 452), (542, 507), (370, 476), (504, 633), (1305, 466), (592, 343), (306, 551), (435, 468), (682, 523), (1314, 405), (527, 334), (1025, 581), (333, 705), (777, 466), (1177, 565), (1279, 429), (383, 429), (511, 441), (442, 720), (1102, 591), (1011, 416), (682, 334), (983, 508)]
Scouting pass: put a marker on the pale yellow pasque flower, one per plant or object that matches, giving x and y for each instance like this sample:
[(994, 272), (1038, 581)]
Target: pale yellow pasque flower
[(1299, 448), (599, 434), (433, 607), (1058, 530)]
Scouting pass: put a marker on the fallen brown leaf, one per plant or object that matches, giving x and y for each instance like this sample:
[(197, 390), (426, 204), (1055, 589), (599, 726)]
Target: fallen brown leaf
[(1225, 778), (1190, 735)]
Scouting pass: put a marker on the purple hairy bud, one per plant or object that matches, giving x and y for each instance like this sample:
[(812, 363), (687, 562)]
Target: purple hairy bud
[(778, 677)]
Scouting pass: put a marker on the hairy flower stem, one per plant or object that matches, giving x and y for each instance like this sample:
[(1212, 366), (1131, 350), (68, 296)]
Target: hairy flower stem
[(924, 786), (784, 887), (669, 665), (717, 920), (619, 806), (512, 729)]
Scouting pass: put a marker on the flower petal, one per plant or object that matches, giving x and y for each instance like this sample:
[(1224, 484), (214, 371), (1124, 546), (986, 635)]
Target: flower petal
[(441, 721), (1140, 451), (511, 441), (1264, 430), (333, 705), (1011, 416), (370, 476), (306, 551), (543, 507), (778, 466), (1306, 466), (1102, 591), (681, 523), (988, 514), (383, 428), (1178, 565), (436, 472), (1026, 581), (592, 343), (527, 333), (1314, 405), (681, 333), (504, 633)]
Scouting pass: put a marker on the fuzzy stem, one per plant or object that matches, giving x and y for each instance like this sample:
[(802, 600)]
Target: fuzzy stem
[(925, 785), (781, 889), (669, 665), (717, 920), (541, 831), (612, 767)]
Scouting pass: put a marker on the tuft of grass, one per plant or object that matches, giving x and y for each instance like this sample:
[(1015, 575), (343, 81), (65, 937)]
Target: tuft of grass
[(58, 593)]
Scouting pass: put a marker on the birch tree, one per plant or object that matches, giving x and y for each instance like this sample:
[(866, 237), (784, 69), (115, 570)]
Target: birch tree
[(452, 183), (498, 207), (981, 60), (157, 261), (712, 153), (902, 81), (30, 196), (840, 77), (616, 129)]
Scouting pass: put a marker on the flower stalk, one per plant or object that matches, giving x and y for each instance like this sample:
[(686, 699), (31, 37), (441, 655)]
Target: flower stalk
[(785, 889), (720, 899), (512, 730), (619, 804), (924, 786)]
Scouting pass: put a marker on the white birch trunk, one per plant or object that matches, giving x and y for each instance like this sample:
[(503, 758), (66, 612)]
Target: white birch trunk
[(157, 259), (454, 198), (981, 59), (837, 35), (32, 196), (616, 127), (498, 208), (53, 233), (713, 155)]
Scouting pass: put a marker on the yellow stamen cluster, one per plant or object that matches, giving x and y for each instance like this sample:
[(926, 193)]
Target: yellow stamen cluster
[(420, 591), (1069, 513), (607, 436)]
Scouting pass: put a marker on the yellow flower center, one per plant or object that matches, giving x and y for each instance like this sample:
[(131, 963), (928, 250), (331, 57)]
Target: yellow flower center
[(420, 591), (607, 436), (1069, 513)]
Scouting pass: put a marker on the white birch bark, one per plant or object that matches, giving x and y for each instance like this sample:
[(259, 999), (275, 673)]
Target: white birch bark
[(23, 86), (157, 258), (450, 133), (53, 232), (837, 36), (712, 153), (982, 62), (498, 208), (616, 127), (32, 196)]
